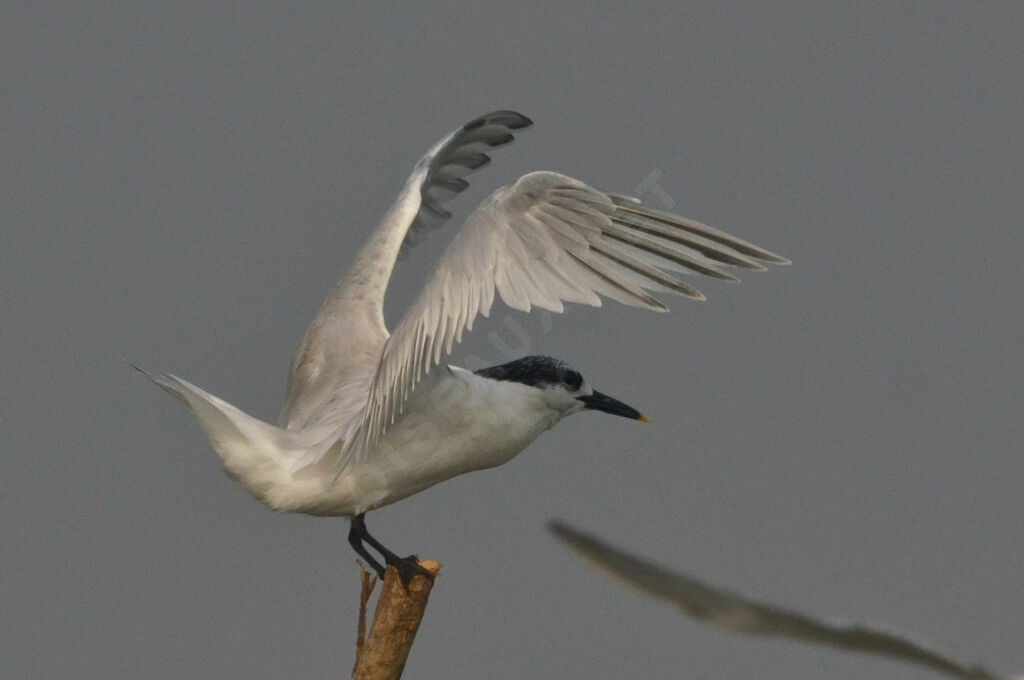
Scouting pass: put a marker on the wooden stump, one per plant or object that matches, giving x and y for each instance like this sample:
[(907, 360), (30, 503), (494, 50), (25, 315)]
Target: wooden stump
[(381, 655)]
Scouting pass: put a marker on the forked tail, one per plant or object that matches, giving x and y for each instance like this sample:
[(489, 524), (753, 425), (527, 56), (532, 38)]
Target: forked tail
[(259, 456)]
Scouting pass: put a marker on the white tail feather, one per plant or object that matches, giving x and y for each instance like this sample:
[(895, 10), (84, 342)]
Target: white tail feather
[(259, 456)]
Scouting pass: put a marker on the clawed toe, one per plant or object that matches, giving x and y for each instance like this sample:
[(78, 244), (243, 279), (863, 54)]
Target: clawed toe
[(409, 567)]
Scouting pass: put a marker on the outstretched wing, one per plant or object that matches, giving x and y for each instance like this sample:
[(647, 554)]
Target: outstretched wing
[(546, 240), (734, 612), (343, 343)]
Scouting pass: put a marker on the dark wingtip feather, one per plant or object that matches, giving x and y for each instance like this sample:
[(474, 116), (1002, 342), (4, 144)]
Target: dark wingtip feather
[(436, 212), (450, 182), (509, 119), (499, 141), (469, 159), (461, 149)]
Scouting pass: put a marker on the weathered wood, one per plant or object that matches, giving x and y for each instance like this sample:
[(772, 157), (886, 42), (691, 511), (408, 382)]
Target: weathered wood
[(383, 653)]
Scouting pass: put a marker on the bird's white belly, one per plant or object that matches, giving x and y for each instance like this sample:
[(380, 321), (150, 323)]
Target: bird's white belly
[(458, 424)]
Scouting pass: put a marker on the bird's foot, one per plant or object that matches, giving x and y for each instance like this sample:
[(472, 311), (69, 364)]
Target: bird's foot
[(408, 567)]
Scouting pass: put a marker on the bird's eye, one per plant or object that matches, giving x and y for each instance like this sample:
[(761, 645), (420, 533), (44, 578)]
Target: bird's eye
[(572, 380)]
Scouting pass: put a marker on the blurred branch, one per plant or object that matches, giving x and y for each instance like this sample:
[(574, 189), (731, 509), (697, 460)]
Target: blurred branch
[(369, 582), (734, 612), (381, 654)]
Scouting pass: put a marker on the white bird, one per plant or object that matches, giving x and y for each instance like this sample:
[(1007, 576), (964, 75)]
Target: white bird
[(370, 418)]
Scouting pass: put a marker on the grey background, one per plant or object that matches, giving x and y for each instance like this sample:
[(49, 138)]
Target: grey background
[(183, 183)]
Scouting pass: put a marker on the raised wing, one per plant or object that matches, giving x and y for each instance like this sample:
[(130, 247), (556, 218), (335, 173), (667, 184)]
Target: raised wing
[(546, 240), (341, 348), (734, 612), (451, 160)]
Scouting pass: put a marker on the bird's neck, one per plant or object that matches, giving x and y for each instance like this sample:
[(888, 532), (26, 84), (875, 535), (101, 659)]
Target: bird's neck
[(519, 406)]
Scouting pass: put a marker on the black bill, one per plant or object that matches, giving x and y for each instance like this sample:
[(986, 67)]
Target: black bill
[(602, 402)]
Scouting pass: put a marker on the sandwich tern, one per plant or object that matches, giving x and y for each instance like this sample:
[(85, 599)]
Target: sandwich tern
[(371, 418)]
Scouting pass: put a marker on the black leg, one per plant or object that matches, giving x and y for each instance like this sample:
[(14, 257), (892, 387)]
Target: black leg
[(355, 539), (407, 566)]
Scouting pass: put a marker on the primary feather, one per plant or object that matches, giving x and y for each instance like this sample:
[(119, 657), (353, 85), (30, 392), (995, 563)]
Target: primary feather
[(543, 241)]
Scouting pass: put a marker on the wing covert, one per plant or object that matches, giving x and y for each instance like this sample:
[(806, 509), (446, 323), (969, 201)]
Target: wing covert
[(543, 241), (344, 341)]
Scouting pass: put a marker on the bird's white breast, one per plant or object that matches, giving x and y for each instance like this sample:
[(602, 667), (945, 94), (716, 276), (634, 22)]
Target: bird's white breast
[(457, 422)]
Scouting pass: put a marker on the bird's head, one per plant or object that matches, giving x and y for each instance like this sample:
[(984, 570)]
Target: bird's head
[(561, 387)]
